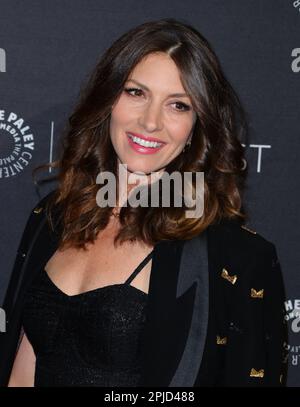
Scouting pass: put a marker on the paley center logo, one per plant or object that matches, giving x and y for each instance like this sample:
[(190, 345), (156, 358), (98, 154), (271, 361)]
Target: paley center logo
[(17, 144), (292, 316), (296, 4), (296, 61)]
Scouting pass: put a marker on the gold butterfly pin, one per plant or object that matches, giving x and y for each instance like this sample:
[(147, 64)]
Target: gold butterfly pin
[(221, 341), (38, 210), (257, 294), (248, 230), (257, 373), (231, 279)]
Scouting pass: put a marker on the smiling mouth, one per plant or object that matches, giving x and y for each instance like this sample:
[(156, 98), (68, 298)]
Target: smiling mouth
[(144, 143), (143, 147)]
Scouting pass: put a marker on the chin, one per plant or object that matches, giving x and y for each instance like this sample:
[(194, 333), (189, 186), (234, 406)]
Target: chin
[(139, 171)]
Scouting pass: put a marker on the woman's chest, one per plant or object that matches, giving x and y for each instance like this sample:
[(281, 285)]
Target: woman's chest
[(76, 270)]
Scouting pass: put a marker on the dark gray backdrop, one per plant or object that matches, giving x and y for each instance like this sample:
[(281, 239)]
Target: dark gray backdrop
[(47, 50)]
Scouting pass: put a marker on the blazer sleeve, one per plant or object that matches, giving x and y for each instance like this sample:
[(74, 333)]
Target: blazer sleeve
[(255, 349), (10, 339), (276, 332)]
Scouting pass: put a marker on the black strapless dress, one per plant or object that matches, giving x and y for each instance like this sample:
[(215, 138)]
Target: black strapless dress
[(89, 339)]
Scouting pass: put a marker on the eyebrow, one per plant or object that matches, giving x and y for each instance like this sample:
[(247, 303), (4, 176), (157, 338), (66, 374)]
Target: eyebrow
[(145, 87)]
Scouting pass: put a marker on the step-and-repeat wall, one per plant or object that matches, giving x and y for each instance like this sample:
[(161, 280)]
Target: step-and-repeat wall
[(48, 50)]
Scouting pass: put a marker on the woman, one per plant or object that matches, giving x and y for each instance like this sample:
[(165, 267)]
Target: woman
[(145, 296)]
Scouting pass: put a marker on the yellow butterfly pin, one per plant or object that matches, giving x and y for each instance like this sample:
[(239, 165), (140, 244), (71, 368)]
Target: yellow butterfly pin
[(221, 341), (257, 373), (248, 230), (257, 294), (38, 210), (231, 279)]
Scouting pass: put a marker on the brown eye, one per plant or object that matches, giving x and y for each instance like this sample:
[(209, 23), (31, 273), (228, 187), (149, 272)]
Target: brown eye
[(129, 90), (184, 107)]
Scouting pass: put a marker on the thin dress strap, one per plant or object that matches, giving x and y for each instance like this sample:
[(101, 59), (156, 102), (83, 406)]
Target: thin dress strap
[(139, 268)]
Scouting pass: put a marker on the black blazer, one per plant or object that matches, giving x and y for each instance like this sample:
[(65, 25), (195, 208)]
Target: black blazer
[(215, 307)]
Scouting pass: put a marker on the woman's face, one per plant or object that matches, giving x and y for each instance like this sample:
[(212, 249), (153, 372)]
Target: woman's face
[(146, 109)]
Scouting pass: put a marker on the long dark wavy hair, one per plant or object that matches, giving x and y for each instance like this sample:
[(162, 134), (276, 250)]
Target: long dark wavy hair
[(216, 144)]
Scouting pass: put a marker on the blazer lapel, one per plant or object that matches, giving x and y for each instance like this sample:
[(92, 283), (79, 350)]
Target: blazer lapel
[(43, 244), (177, 313)]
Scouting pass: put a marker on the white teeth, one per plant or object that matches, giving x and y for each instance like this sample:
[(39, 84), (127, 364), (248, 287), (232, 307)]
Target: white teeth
[(144, 143)]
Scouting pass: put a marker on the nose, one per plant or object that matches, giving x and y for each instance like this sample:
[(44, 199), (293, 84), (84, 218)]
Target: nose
[(151, 117)]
